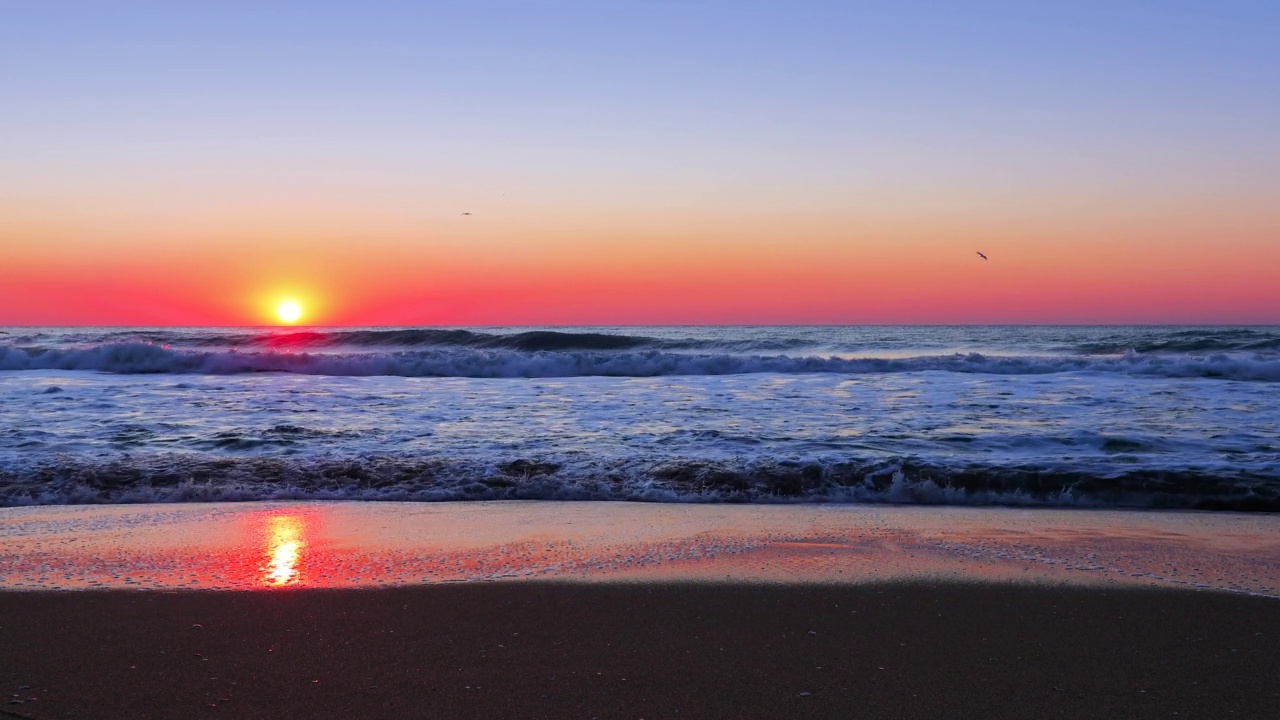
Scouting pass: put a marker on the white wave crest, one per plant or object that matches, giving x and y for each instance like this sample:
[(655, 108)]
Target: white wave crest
[(185, 477), (488, 363)]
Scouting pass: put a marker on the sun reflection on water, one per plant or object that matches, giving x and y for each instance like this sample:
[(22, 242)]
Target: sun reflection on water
[(284, 546)]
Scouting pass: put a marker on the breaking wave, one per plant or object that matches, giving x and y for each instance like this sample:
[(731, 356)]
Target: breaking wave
[(1190, 341), (409, 338), (198, 478), (136, 357), (1074, 340)]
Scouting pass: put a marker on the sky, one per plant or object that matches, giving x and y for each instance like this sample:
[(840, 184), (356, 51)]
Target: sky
[(639, 162)]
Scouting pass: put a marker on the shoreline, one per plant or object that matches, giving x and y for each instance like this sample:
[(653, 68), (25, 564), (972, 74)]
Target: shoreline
[(273, 545)]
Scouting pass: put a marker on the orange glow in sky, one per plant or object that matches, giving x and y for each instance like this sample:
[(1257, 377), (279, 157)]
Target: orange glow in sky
[(859, 265)]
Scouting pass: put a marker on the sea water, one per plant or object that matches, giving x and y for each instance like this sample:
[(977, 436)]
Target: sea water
[(1183, 417)]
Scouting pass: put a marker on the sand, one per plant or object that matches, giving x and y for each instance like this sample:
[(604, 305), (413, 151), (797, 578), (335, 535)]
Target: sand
[(641, 650), (246, 546), (615, 610)]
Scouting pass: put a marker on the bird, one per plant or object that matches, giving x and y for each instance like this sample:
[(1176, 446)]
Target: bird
[(466, 213), (984, 257)]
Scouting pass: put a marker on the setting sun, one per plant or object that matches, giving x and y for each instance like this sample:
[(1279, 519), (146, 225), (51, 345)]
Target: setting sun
[(289, 311)]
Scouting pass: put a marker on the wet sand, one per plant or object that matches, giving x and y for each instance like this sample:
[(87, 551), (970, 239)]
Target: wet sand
[(643, 650), (269, 546), (618, 610)]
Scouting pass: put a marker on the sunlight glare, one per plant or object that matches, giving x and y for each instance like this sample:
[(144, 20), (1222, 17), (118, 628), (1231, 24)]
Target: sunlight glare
[(289, 311), (284, 547)]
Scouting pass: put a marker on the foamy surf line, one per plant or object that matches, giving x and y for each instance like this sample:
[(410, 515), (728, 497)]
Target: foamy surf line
[(339, 545), (147, 358), (192, 477)]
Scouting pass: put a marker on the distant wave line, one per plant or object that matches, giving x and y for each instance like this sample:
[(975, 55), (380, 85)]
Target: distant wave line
[(140, 357), (1200, 340)]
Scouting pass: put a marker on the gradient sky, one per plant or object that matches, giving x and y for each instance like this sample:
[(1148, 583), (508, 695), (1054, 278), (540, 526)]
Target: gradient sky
[(663, 161)]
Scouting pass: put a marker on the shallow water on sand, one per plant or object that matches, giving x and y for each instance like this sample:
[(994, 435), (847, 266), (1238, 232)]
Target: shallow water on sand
[(264, 546)]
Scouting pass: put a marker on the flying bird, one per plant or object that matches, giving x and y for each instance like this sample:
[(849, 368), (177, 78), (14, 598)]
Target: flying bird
[(466, 213), (984, 257)]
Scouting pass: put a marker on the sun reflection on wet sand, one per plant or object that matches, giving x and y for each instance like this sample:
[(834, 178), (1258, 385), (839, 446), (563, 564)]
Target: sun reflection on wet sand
[(281, 546), (284, 545)]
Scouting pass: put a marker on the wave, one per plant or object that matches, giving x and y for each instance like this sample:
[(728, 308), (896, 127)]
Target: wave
[(196, 478), (536, 340), (408, 338), (132, 358), (1076, 341), (1188, 341), (530, 341)]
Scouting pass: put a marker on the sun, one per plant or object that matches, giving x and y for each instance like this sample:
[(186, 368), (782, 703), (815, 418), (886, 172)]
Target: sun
[(289, 312)]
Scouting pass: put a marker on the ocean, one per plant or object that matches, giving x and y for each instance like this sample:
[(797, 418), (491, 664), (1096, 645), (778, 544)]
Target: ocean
[(1141, 417)]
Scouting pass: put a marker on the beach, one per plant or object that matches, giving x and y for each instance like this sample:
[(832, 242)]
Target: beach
[(705, 650), (636, 611)]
